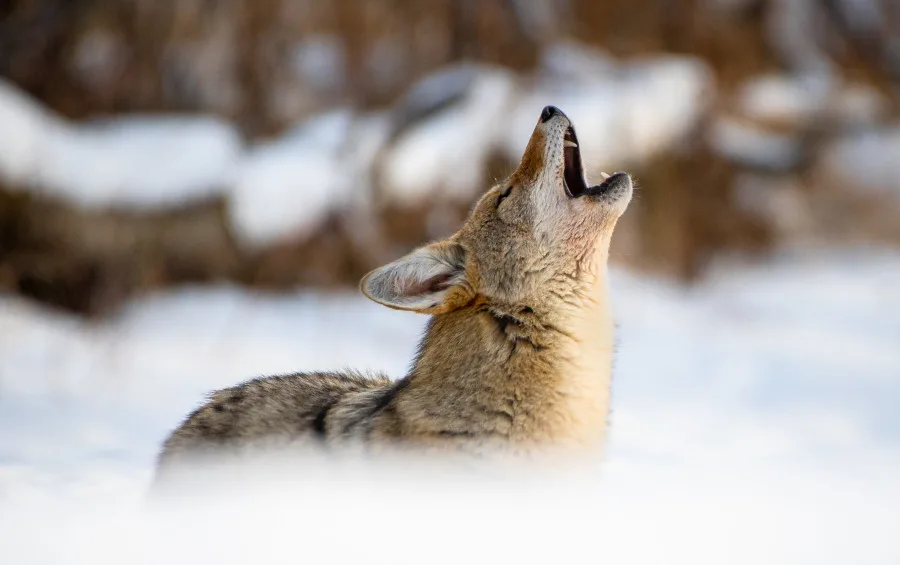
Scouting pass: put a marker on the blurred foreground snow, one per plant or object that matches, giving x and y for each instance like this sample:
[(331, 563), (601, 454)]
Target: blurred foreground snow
[(754, 420)]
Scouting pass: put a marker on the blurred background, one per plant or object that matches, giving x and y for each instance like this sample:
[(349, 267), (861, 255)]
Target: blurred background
[(191, 189), (278, 143)]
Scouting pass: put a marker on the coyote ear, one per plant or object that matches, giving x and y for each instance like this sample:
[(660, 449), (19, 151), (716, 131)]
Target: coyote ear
[(428, 280)]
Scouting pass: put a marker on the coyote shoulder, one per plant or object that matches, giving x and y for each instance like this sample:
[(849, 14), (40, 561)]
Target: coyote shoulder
[(518, 351)]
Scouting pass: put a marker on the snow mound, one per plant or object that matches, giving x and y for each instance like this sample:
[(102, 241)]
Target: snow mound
[(286, 188), (139, 162), (134, 162)]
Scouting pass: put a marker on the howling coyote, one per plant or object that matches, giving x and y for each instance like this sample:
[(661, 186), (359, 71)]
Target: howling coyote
[(517, 355)]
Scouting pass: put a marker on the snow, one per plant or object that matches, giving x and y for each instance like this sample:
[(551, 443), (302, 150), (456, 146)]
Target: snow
[(753, 146), (624, 116), (573, 61), (783, 98), (447, 152), (801, 100), (666, 97), (141, 162), (754, 420), (866, 161), (275, 190), (286, 188), (436, 142), (624, 113), (22, 125)]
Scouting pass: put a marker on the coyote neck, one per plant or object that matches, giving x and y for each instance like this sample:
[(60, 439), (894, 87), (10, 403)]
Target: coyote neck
[(528, 374)]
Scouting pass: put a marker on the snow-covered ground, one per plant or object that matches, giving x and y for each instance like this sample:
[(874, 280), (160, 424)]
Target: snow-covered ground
[(755, 420)]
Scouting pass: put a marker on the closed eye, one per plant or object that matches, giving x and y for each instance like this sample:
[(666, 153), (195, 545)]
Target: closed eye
[(504, 195)]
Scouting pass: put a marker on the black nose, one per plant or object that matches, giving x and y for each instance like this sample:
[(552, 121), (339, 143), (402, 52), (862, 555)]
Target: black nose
[(548, 112)]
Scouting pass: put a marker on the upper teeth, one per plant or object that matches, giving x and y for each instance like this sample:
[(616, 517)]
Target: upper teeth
[(570, 143), (604, 176)]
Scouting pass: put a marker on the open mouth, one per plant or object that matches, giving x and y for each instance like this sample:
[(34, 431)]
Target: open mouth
[(573, 171)]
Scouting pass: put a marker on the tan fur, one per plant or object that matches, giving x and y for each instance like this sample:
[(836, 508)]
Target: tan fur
[(517, 356)]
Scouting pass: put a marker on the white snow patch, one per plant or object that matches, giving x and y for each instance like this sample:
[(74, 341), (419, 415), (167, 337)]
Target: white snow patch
[(867, 160), (135, 162), (573, 61), (448, 152), (782, 98), (801, 100), (623, 116), (753, 146), (23, 123), (666, 97), (368, 135), (139, 162), (286, 188)]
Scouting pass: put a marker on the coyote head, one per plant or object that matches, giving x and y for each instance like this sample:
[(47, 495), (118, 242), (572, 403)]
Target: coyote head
[(537, 240)]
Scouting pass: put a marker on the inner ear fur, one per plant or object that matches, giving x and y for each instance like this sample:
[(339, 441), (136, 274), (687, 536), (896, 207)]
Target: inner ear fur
[(429, 280)]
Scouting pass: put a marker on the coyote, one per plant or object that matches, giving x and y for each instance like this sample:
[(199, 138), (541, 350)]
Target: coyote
[(517, 354)]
